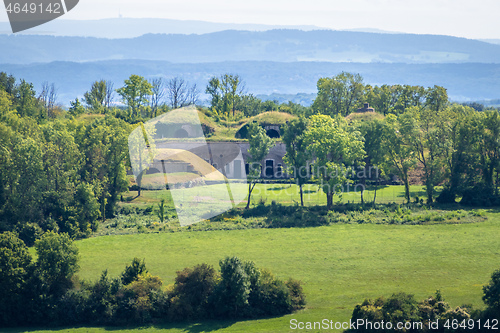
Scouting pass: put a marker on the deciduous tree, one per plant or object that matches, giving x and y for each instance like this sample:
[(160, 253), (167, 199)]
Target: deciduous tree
[(296, 157), (135, 93), (260, 144), (335, 149)]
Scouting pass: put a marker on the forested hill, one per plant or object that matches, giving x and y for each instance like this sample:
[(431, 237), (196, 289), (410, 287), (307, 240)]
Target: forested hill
[(273, 45)]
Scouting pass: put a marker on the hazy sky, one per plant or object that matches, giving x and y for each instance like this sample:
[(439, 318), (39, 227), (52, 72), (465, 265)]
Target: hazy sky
[(464, 18)]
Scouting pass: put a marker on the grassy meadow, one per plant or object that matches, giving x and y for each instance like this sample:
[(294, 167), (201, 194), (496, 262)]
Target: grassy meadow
[(340, 265)]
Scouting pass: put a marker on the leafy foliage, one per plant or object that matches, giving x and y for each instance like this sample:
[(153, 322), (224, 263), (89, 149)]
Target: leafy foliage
[(133, 271), (336, 149)]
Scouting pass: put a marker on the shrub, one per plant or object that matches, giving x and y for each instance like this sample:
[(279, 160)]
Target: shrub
[(297, 296), (72, 307), (273, 296), (15, 269), (231, 294), (57, 262), (400, 307), (133, 271), (492, 292), (29, 232), (191, 292), (101, 301), (141, 300)]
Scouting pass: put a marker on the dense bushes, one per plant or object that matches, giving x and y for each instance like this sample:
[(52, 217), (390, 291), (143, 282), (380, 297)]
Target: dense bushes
[(31, 291), (430, 315), (403, 308), (48, 292), (240, 291)]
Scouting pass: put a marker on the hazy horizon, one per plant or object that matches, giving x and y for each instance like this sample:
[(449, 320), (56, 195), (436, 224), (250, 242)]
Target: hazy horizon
[(460, 18)]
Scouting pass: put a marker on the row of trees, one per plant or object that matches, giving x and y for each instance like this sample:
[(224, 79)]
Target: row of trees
[(452, 144), (345, 93), (46, 291), (228, 94), (60, 175), (23, 97), (143, 98)]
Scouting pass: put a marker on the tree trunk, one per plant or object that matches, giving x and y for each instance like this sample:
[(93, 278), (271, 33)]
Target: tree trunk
[(363, 183), (407, 190), (139, 183), (301, 196), (376, 187), (329, 200), (430, 190), (249, 194)]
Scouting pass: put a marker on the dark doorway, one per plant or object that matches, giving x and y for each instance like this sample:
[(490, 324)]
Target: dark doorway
[(273, 134), (269, 168)]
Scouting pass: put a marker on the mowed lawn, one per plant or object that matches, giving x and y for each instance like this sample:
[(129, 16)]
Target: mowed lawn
[(340, 265), (285, 194)]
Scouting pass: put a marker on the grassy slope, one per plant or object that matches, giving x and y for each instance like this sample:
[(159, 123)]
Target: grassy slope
[(340, 265)]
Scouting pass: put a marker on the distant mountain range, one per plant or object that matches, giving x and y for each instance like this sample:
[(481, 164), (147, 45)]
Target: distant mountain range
[(464, 82), (272, 45), (135, 27), (279, 61)]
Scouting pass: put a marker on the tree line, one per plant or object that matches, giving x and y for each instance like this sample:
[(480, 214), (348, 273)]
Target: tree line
[(61, 171), (46, 290), (454, 146)]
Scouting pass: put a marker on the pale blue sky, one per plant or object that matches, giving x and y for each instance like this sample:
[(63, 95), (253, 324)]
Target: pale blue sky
[(463, 18)]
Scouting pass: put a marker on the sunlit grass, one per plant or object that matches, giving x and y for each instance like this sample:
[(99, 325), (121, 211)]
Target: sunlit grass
[(340, 265)]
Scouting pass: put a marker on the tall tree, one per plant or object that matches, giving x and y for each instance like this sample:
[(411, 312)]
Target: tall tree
[(339, 95), (233, 89), (400, 155), (135, 93), (296, 156), (226, 92), (104, 142), (436, 98), (428, 142), (48, 98), (373, 133), (177, 92), (336, 149), (142, 150), (100, 96), (193, 95), (213, 89), (260, 144), (7, 83), (25, 100), (455, 128), (157, 94)]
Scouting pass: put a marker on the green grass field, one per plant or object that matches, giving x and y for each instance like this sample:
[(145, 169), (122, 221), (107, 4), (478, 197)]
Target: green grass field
[(340, 265), (285, 194)]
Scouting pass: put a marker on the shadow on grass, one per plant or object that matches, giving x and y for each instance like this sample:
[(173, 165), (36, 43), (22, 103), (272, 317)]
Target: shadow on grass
[(206, 326), (278, 188)]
